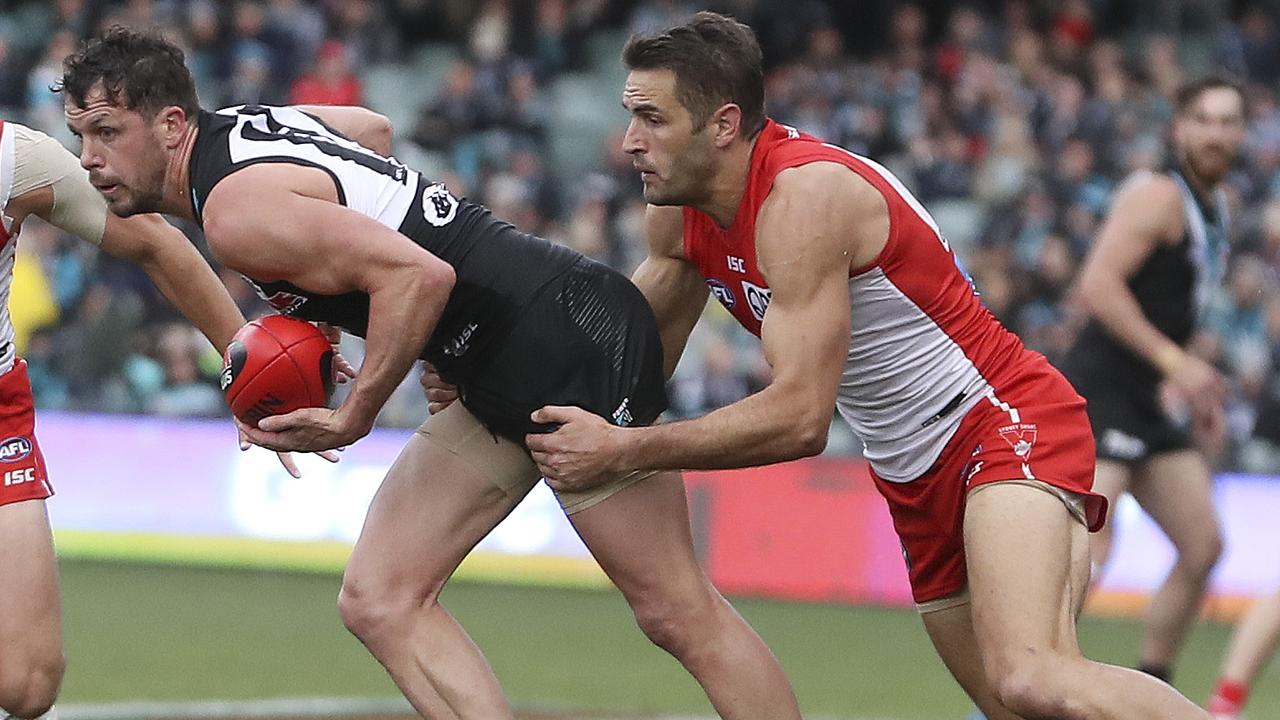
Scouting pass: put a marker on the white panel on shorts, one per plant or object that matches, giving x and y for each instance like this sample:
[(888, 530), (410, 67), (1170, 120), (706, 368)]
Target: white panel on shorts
[(902, 370)]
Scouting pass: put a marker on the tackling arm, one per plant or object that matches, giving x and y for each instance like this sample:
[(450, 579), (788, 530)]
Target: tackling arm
[(819, 220), (672, 285)]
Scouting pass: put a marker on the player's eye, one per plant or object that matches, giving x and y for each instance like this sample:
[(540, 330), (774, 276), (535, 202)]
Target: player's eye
[(107, 133)]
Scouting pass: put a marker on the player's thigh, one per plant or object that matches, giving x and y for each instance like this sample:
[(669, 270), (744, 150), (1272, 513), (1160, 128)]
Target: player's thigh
[(30, 606), (452, 483), (1111, 479), (641, 538), (1028, 565), (1176, 490), (951, 631)]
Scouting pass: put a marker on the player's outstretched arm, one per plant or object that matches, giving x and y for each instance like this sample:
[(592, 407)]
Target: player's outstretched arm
[(178, 270), (282, 222), (819, 221), (370, 129), (1147, 211), (67, 201), (674, 288)]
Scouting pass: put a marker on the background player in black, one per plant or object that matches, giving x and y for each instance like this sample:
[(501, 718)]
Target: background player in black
[(313, 218), (1159, 255)]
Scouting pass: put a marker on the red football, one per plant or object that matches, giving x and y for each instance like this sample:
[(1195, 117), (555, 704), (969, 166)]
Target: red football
[(274, 365)]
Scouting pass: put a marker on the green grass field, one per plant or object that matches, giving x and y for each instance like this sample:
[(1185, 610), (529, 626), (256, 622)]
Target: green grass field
[(144, 632)]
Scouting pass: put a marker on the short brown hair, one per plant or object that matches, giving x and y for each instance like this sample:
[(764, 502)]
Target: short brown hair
[(138, 69), (716, 60), (1191, 90)]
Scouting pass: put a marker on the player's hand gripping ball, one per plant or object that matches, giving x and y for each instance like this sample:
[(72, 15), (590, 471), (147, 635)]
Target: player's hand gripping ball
[(274, 365)]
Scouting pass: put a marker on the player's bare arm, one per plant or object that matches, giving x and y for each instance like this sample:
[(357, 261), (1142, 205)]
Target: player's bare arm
[(1146, 213), (819, 221), (673, 286), (370, 129), (278, 222), (172, 262)]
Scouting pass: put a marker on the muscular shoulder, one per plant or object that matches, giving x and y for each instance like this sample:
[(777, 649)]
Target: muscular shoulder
[(830, 203), (1150, 202)]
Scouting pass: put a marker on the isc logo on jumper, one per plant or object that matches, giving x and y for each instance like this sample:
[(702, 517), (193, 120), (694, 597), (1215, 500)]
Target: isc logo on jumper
[(757, 299), (14, 449)]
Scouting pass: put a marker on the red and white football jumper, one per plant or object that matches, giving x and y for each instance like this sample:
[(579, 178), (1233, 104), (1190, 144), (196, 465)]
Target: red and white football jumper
[(943, 397), (22, 470)]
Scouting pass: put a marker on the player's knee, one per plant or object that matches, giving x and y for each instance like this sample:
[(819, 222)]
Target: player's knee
[(672, 624), (1203, 554), (28, 689), (367, 610), (1026, 684)]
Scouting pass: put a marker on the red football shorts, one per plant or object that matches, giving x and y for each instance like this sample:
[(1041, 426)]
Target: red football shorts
[(1034, 430), (22, 471)]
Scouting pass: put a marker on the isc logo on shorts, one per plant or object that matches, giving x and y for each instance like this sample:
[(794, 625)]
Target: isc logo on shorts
[(14, 449)]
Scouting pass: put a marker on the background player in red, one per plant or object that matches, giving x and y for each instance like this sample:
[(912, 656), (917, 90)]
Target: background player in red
[(1252, 646), (38, 177), (1157, 261), (981, 448)]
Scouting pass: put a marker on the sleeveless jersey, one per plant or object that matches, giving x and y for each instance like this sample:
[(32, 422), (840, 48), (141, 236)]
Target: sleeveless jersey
[(922, 350), (498, 268), (1173, 287), (8, 247)]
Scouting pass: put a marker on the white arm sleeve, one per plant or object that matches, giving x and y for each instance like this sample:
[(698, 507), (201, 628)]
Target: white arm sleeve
[(41, 161)]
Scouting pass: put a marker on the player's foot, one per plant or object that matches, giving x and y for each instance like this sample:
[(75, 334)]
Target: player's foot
[(1227, 701)]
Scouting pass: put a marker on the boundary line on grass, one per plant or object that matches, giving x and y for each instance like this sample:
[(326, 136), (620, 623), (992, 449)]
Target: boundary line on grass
[(303, 707)]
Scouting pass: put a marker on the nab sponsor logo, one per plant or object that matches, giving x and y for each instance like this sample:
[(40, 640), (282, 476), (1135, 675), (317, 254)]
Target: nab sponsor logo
[(14, 449), (757, 299), (722, 293), (438, 206), (285, 303)]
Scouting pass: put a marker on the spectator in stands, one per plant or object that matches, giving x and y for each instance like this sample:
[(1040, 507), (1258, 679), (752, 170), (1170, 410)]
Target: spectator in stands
[(331, 82)]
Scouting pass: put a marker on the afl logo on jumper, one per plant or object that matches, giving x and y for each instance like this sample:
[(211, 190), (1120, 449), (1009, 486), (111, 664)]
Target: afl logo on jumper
[(14, 449), (757, 299), (438, 206), (722, 293)]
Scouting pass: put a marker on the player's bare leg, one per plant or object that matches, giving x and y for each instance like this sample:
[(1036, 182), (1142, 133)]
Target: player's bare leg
[(951, 631), (1176, 490), (1110, 479), (1028, 561), (1253, 643), (641, 538), (31, 660), (430, 511)]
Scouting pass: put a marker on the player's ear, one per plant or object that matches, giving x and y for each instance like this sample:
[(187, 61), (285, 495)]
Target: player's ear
[(172, 122), (727, 120)]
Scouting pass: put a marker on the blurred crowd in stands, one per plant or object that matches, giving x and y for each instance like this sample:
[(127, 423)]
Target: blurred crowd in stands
[(1011, 120)]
